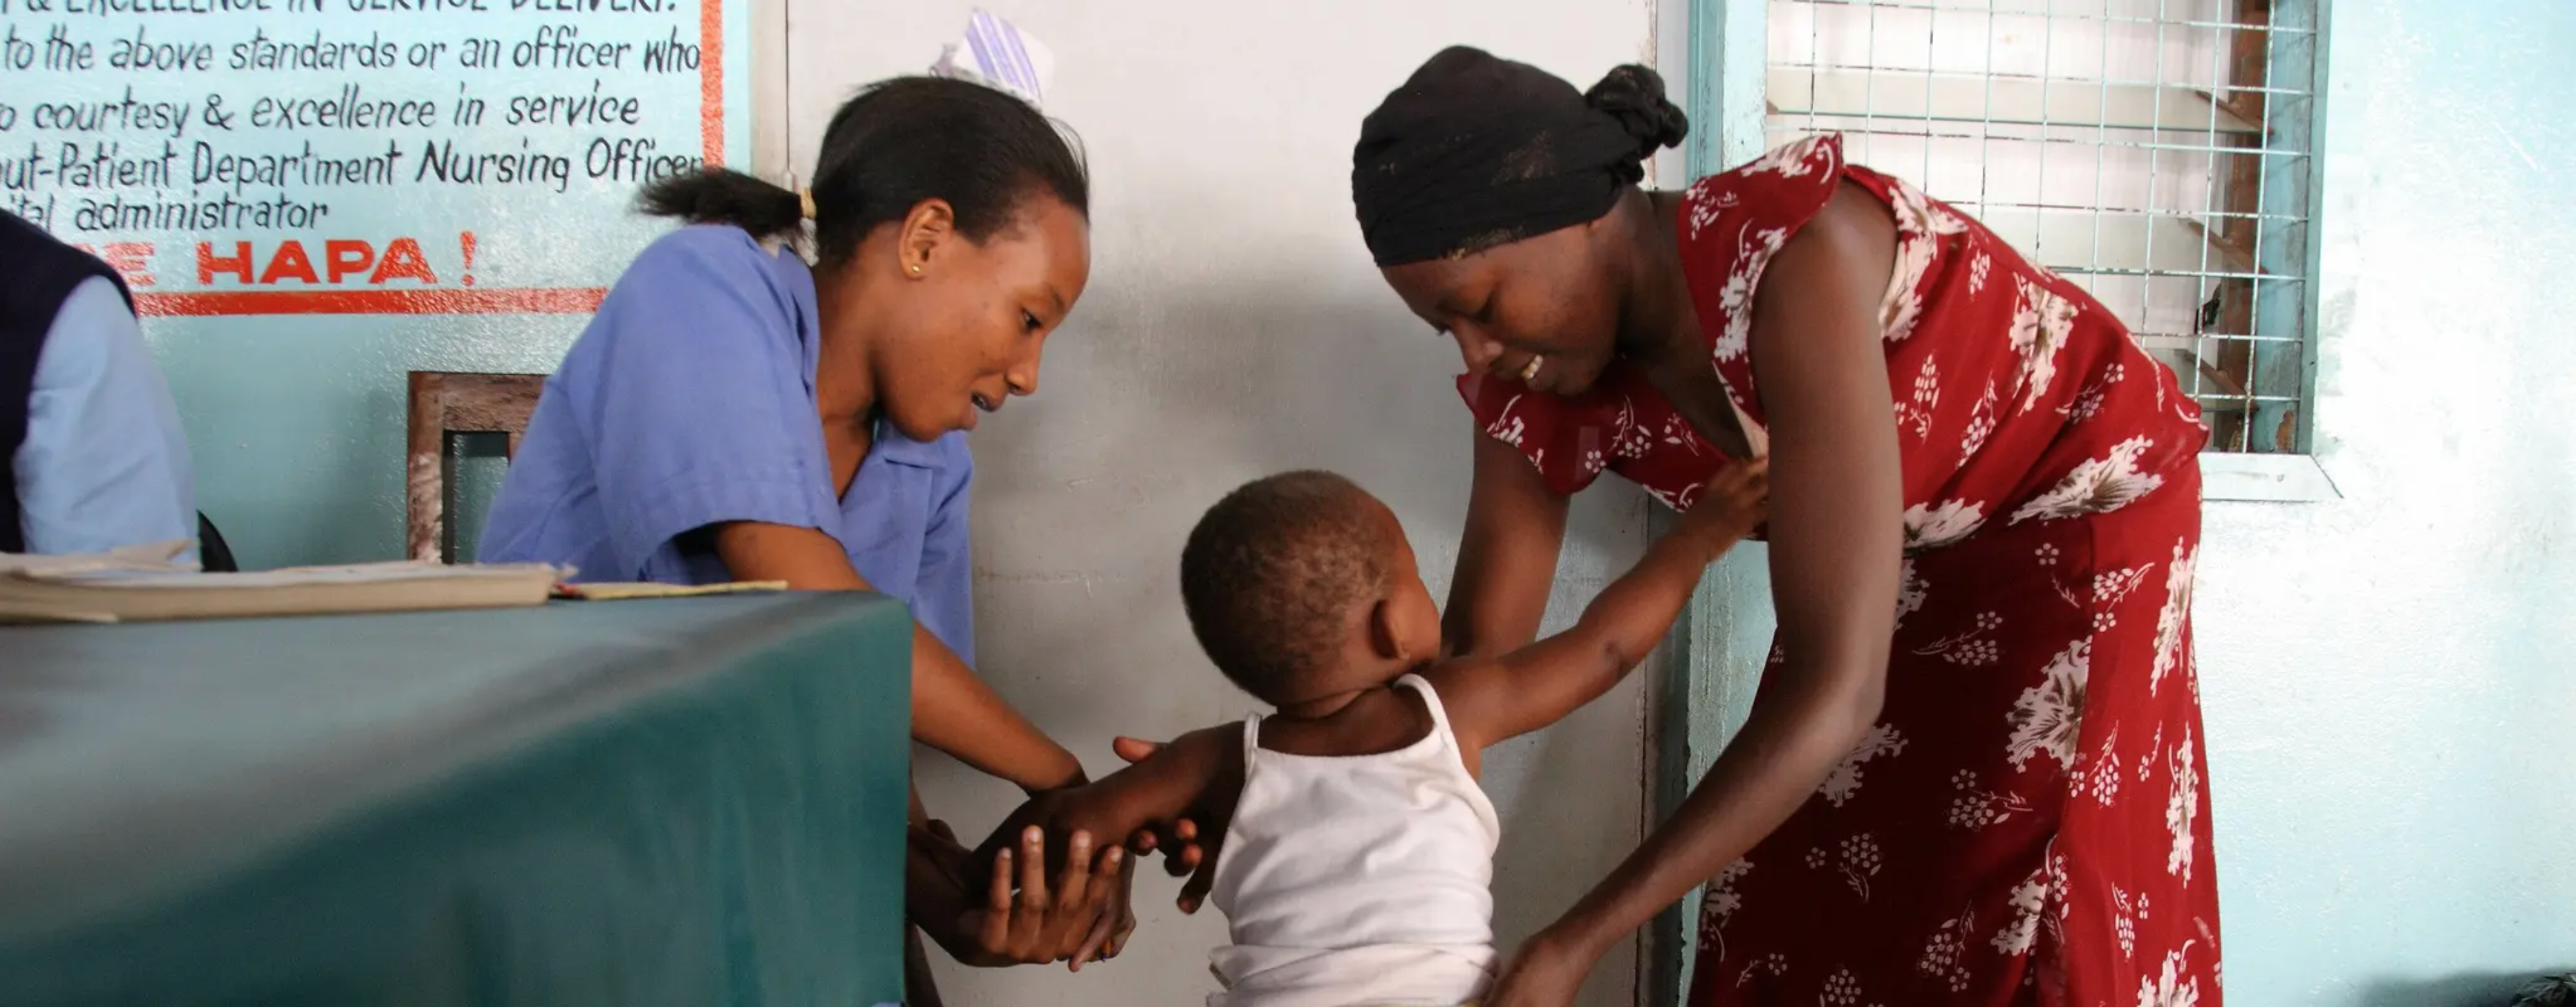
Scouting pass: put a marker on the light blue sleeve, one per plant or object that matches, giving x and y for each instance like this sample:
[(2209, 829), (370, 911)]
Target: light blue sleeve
[(696, 408), (104, 464), (944, 599)]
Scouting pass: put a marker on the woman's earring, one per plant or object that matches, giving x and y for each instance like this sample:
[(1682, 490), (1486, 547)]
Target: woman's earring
[(916, 269)]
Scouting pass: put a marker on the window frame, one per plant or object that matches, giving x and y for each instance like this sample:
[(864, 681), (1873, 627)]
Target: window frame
[(1728, 113)]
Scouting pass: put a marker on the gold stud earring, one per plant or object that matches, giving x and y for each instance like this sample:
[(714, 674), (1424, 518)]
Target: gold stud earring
[(916, 269)]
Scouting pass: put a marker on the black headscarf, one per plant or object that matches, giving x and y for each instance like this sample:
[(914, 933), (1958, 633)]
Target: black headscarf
[(1477, 151)]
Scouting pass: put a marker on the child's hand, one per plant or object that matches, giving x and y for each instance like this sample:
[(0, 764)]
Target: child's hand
[(1188, 850), (1730, 505)]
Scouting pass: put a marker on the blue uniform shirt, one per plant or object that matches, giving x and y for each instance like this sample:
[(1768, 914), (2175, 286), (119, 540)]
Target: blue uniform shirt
[(689, 401)]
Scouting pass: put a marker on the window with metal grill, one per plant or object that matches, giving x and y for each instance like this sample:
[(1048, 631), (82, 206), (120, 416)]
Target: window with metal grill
[(2159, 153)]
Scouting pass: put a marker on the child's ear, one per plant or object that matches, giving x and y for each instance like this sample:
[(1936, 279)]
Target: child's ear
[(1386, 638), (1398, 633)]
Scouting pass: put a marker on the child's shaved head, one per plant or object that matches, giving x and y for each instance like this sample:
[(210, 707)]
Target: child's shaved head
[(1271, 572)]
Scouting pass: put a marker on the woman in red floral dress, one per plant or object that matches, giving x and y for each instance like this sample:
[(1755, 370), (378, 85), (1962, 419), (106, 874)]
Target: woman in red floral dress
[(1973, 773)]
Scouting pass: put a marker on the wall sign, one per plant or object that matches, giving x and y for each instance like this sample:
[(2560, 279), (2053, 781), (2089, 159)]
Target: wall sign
[(262, 157)]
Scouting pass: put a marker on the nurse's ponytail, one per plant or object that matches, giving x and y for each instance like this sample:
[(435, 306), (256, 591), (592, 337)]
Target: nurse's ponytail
[(897, 143), (726, 197)]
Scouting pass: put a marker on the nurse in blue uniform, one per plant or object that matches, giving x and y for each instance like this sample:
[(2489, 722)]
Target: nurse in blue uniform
[(732, 414)]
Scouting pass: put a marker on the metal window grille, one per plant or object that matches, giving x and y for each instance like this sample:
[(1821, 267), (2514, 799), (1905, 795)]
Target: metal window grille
[(2159, 153)]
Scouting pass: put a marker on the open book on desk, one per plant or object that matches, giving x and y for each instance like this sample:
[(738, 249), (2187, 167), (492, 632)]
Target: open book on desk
[(147, 583)]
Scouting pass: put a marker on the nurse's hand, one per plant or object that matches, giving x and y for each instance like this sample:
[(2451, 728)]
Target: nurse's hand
[(1037, 924), (1109, 936)]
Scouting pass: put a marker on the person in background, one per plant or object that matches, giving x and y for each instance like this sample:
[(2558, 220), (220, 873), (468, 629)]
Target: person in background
[(733, 413), (97, 460)]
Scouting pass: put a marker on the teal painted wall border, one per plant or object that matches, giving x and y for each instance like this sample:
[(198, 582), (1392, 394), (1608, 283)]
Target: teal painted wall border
[(1717, 650)]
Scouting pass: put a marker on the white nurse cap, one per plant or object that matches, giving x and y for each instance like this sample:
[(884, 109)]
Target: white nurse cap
[(998, 54)]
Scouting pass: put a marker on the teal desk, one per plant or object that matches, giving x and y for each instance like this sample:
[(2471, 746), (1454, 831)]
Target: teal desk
[(688, 802)]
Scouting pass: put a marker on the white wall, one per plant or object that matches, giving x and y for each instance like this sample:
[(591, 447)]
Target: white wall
[(2386, 676), (1234, 327)]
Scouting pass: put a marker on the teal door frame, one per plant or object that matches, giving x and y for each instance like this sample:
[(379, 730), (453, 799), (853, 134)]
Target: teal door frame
[(1718, 649)]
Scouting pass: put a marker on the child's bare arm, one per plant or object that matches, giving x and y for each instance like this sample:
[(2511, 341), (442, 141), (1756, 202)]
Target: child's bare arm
[(1197, 776), (1490, 700)]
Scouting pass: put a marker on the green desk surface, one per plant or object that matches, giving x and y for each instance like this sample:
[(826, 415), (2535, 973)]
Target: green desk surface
[(694, 801)]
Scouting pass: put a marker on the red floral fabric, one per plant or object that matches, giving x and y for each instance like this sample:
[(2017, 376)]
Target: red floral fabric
[(2028, 823)]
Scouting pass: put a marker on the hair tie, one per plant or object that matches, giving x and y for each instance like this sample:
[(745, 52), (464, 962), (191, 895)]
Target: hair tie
[(805, 202)]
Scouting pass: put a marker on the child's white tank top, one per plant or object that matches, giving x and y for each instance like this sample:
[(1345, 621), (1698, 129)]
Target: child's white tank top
[(1357, 880)]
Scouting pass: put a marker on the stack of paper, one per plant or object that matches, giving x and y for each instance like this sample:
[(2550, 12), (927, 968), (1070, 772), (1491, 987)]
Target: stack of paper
[(628, 592), (145, 584)]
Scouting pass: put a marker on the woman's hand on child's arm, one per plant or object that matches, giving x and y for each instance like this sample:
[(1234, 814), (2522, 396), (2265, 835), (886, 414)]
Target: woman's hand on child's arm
[(1195, 778), (1490, 700), (1075, 817), (1153, 797), (1034, 924)]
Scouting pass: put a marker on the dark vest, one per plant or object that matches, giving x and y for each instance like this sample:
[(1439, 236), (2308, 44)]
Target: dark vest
[(37, 273)]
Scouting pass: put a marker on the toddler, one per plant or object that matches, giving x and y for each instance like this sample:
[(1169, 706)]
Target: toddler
[(1357, 850)]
